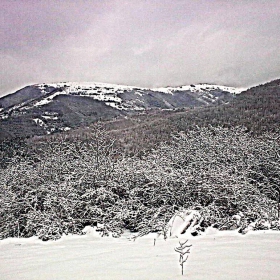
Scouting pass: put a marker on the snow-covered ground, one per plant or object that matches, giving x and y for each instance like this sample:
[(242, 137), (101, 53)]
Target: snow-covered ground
[(226, 255)]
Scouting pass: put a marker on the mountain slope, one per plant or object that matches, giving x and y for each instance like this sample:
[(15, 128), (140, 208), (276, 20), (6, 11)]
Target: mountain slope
[(257, 109), (46, 108)]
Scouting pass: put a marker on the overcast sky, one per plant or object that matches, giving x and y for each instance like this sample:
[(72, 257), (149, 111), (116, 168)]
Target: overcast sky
[(139, 42)]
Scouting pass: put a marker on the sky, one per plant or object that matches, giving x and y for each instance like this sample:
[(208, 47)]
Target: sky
[(147, 43)]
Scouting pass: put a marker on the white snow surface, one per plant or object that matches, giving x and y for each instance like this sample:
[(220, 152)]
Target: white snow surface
[(216, 255)]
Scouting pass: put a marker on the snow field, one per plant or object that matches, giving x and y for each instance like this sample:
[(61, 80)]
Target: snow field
[(216, 255)]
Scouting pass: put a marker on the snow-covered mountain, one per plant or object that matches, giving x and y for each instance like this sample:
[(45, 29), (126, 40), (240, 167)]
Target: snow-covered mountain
[(46, 108)]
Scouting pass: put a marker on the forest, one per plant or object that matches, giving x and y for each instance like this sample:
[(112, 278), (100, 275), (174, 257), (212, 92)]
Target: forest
[(65, 185), (136, 174)]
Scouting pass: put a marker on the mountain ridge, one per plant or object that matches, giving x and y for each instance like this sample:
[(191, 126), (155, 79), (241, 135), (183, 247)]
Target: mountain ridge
[(47, 108)]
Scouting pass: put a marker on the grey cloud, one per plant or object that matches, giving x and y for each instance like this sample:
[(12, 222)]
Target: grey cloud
[(144, 43)]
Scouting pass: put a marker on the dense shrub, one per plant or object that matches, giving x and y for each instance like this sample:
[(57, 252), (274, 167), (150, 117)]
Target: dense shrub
[(67, 184)]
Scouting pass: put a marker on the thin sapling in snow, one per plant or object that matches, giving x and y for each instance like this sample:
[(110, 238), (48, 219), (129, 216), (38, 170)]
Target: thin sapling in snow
[(183, 250)]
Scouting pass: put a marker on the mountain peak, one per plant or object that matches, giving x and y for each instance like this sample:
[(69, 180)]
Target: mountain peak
[(52, 107)]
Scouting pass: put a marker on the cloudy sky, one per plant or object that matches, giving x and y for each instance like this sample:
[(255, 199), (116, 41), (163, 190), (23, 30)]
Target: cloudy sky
[(139, 42)]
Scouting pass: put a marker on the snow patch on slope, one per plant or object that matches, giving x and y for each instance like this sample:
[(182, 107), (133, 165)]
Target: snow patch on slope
[(107, 93), (39, 122), (199, 88), (48, 99)]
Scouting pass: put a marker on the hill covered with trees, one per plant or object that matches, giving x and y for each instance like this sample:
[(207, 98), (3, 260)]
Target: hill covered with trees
[(137, 173)]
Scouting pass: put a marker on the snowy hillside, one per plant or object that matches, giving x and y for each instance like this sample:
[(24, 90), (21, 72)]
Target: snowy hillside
[(112, 94), (116, 95), (47, 108)]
